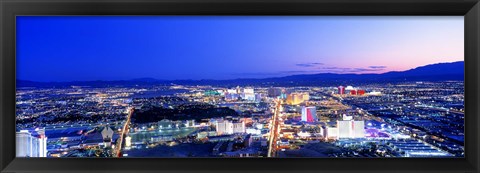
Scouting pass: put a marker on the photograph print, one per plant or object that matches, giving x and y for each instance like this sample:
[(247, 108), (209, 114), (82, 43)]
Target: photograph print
[(240, 86)]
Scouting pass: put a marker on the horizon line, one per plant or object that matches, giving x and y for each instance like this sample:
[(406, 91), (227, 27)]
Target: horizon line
[(166, 80)]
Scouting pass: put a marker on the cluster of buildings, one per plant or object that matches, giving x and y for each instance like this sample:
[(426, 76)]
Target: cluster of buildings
[(345, 129), (31, 143), (351, 129), (307, 115), (242, 93), (350, 90), (277, 93), (229, 127), (297, 98)]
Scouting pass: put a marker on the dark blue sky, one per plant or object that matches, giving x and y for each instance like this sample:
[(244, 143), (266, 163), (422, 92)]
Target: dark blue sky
[(58, 48)]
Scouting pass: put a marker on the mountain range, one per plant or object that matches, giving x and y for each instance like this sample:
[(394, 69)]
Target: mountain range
[(432, 72)]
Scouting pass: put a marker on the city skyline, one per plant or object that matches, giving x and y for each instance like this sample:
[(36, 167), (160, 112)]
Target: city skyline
[(123, 48), (240, 86)]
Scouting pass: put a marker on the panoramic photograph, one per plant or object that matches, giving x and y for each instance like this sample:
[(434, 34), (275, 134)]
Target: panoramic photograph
[(240, 86)]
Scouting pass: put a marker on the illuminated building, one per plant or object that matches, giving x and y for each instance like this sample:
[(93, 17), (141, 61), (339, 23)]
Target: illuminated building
[(232, 91), (341, 90), (248, 94), (358, 128), (374, 93), (248, 90), (258, 97), (357, 92), (231, 94), (351, 129), (107, 135), (238, 90), (353, 92), (31, 144), (322, 131), (238, 127), (223, 127), (128, 141), (42, 142), (360, 92), (227, 127), (297, 98), (344, 129), (349, 88), (24, 144), (309, 114), (331, 133), (305, 97), (290, 99)]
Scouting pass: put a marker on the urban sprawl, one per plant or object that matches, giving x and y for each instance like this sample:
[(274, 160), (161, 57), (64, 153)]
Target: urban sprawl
[(409, 119)]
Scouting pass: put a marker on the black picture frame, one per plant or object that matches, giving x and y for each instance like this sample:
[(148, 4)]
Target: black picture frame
[(11, 8)]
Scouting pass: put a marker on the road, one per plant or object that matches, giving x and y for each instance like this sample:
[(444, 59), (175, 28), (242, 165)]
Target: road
[(119, 147), (274, 131)]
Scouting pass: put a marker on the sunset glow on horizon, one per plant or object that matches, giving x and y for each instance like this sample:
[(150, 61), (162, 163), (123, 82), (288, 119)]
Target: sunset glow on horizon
[(68, 48)]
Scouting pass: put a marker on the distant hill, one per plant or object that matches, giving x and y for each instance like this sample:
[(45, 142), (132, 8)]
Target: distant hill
[(436, 69), (432, 72)]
